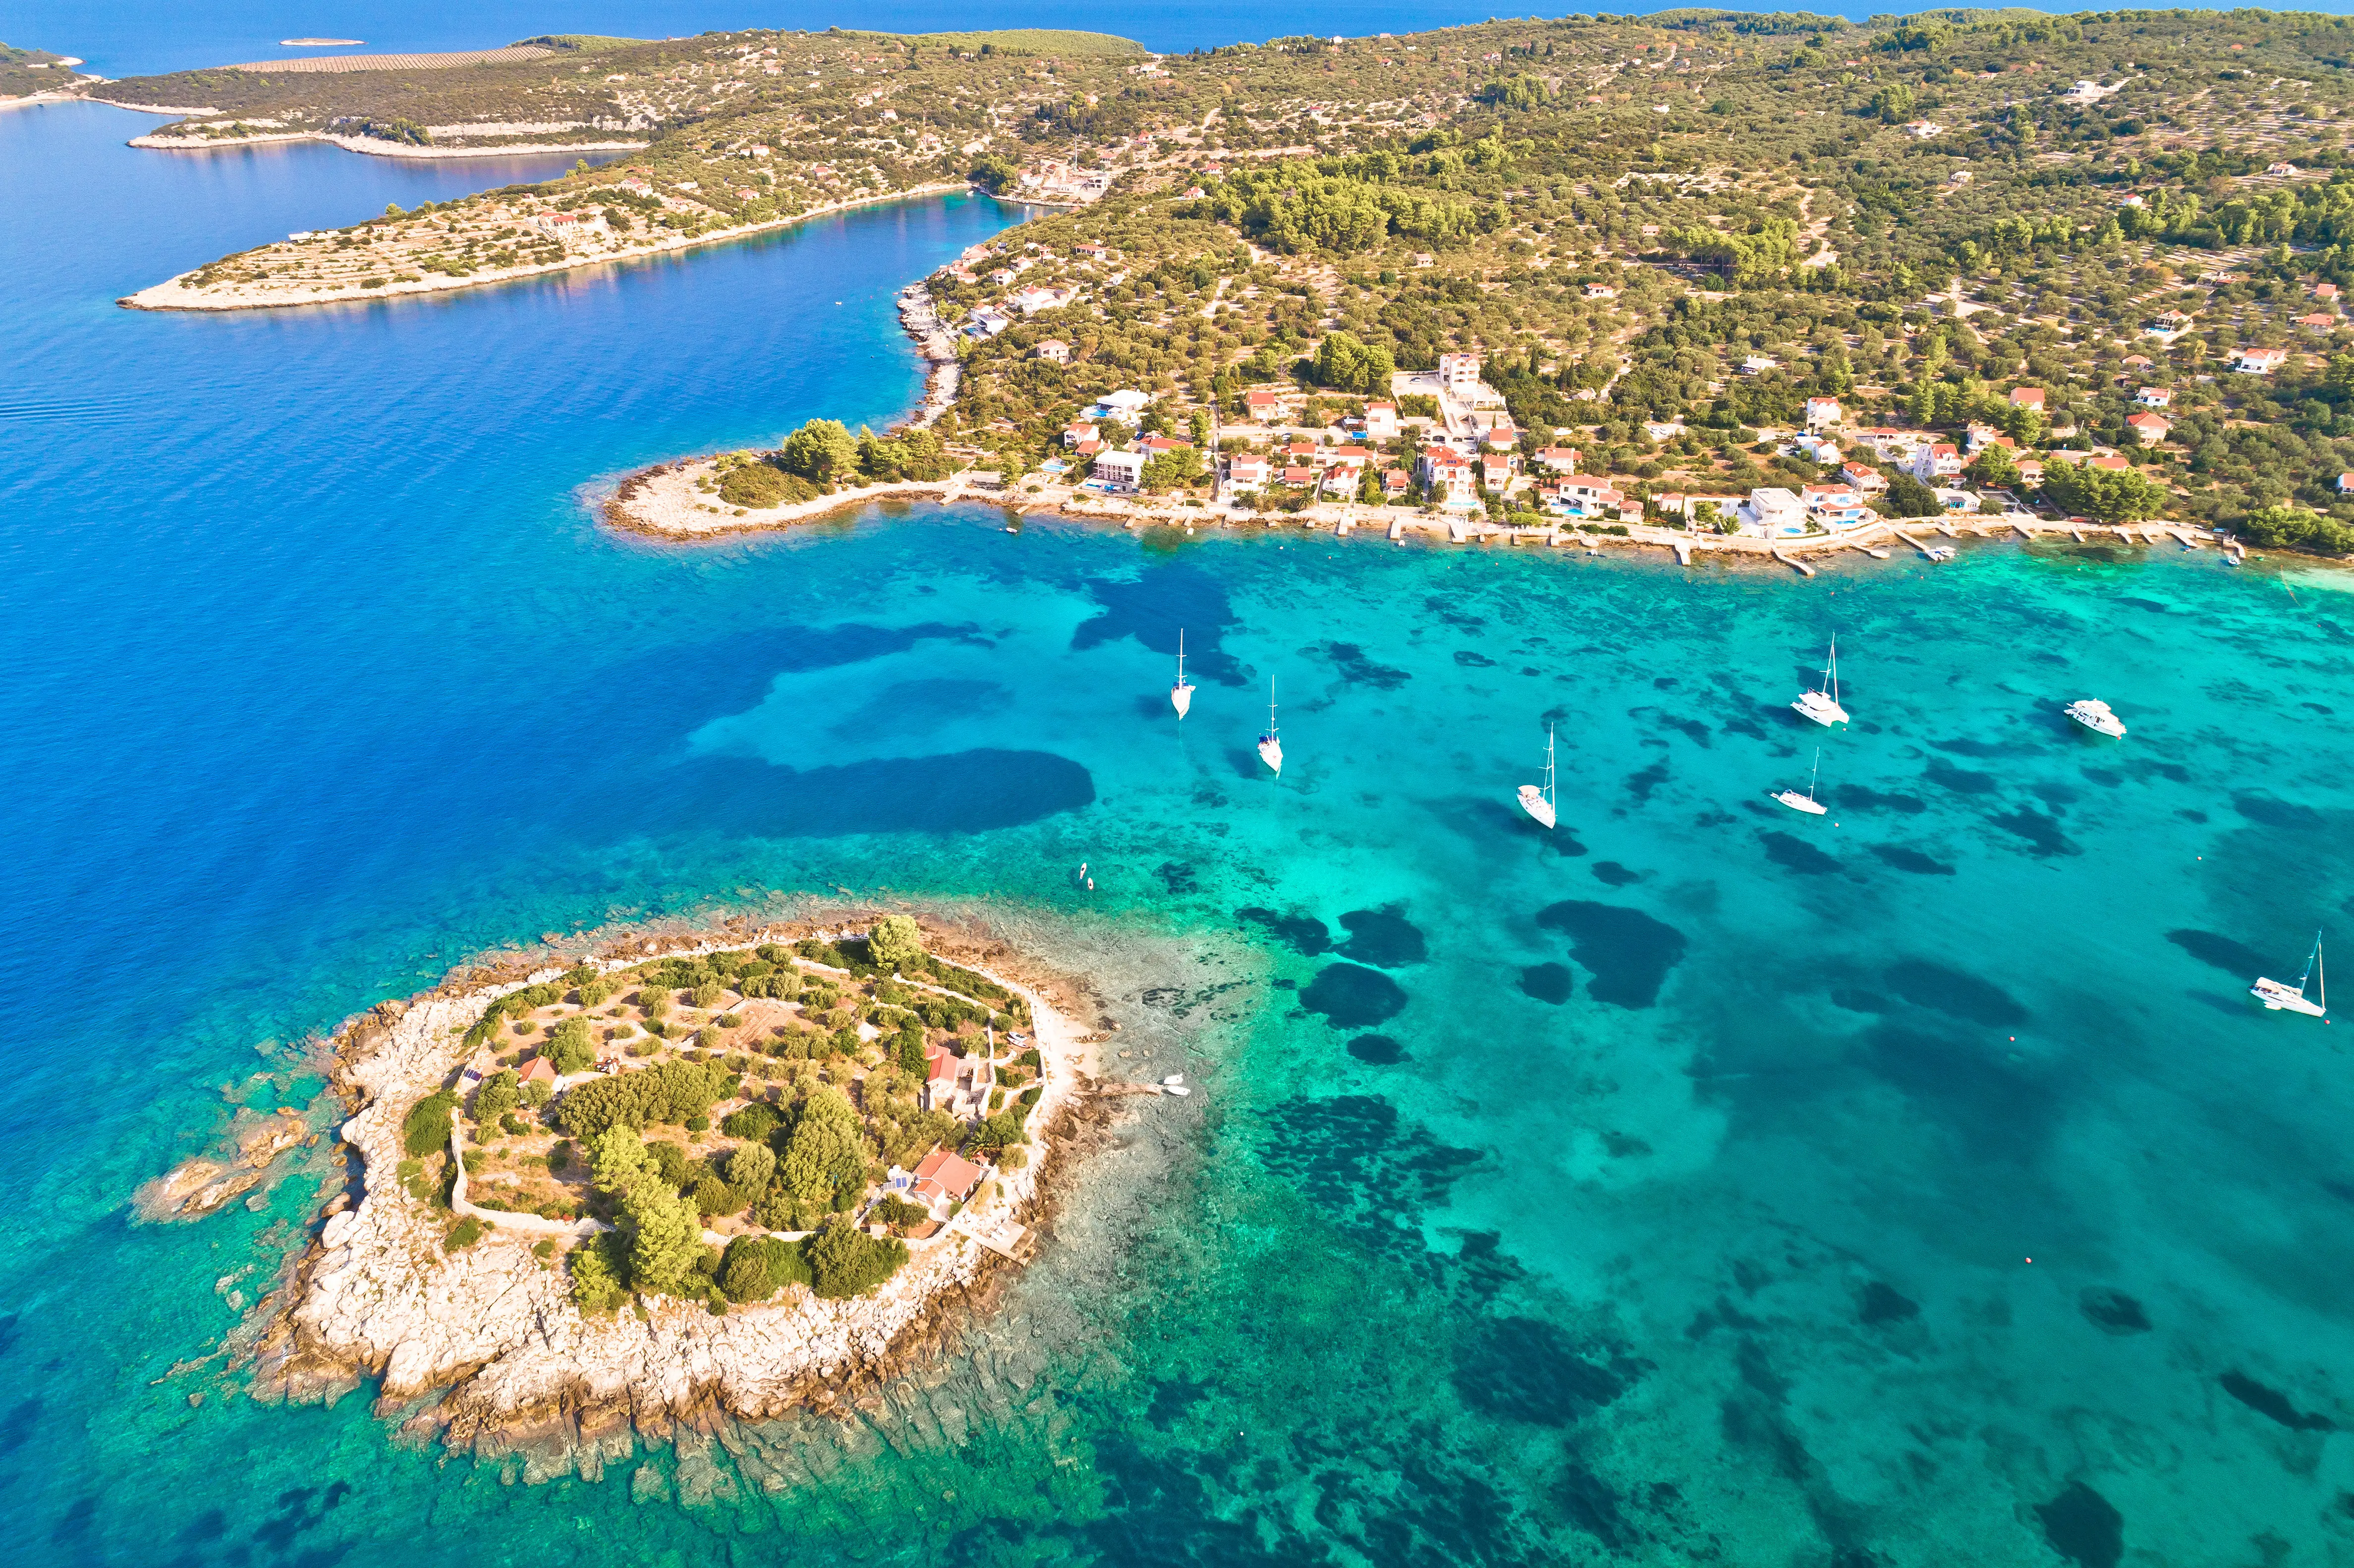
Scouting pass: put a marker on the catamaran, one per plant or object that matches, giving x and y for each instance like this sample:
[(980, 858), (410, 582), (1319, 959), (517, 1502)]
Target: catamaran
[(1181, 696), (1538, 802), (1271, 745), (2280, 998), (1822, 705), (1805, 803), (2095, 716)]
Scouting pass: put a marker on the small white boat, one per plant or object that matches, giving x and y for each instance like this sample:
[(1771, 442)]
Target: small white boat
[(1179, 1090), (2095, 716), (1939, 552), (1181, 696), (1538, 800), (1271, 745), (1821, 703), (2280, 997), (1172, 1080), (1805, 803)]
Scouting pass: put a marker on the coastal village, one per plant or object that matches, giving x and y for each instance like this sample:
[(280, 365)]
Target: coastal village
[(1750, 286)]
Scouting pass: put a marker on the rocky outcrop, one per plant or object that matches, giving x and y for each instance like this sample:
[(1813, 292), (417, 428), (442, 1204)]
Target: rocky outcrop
[(491, 1328), (200, 1186)]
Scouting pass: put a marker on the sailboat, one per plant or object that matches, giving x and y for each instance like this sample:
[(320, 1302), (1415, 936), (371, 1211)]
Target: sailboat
[(1181, 696), (2279, 997), (1805, 803), (1822, 705), (1539, 802), (1271, 745)]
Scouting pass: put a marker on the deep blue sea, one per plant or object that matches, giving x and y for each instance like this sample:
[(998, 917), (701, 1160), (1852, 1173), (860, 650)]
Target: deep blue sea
[(1697, 1183)]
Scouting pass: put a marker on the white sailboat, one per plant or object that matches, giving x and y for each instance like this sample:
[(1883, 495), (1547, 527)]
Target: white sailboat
[(1805, 803), (1271, 745), (2278, 997), (1538, 802), (1822, 705), (1181, 696), (2095, 716)]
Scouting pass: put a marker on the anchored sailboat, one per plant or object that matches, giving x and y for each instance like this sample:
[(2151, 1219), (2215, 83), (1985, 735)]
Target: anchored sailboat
[(1822, 705), (1538, 802), (2280, 998), (1805, 803), (1181, 696), (1271, 745)]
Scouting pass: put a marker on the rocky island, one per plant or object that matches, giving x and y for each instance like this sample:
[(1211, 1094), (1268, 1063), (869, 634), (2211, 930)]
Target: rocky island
[(673, 1182)]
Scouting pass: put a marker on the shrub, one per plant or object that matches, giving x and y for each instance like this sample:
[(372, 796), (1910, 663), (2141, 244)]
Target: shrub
[(896, 940), (893, 1210), (544, 1248), (844, 1261), (670, 1092), (536, 1093), (513, 1125), (671, 1163), (2290, 527), (598, 991), (427, 1126), (827, 1148), (705, 995), (463, 1234), (755, 1267), (754, 1122), (559, 1154)]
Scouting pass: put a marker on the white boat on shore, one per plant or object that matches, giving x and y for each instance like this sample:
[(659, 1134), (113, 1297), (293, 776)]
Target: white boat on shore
[(1181, 696), (1821, 703), (2095, 716), (2278, 996), (1538, 800), (1271, 745), (1805, 803)]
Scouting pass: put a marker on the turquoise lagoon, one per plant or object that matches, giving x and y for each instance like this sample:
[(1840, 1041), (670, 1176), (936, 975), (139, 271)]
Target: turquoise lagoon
[(1696, 1182)]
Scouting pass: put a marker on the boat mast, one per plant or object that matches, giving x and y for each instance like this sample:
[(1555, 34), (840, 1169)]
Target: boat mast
[(1815, 773), (1271, 706), (1548, 788), (1833, 671), (1180, 655)]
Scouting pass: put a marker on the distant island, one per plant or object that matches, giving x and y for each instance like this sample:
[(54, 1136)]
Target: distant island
[(739, 1175), (1720, 274), (319, 43)]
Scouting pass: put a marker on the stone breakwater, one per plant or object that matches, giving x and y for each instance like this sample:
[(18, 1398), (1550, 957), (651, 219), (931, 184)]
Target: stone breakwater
[(494, 1329)]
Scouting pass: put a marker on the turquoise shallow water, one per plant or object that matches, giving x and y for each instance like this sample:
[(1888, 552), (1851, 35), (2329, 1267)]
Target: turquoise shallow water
[(1662, 1187)]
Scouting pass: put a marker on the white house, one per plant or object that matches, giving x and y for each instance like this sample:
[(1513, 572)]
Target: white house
[(2153, 397), (1127, 403), (1119, 471), (1381, 421), (2259, 361), (1822, 413), (1773, 510), (1246, 474), (2150, 429), (1937, 461), (1458, 370)]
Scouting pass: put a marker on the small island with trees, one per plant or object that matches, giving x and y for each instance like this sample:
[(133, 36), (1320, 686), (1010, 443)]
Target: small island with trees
[(733, 1174)]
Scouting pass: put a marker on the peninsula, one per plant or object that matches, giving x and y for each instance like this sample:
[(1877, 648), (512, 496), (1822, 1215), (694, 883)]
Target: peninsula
[(1727, 275), (672, 1180)]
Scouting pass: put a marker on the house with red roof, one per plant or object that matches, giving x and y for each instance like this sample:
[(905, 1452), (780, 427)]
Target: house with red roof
[(2027, 397), (538, 1070), (943, 1180), (1263, 405), (2149, 428), (2153, 397)]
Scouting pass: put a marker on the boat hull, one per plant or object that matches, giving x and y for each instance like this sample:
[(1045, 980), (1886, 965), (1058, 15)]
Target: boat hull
[(1181, 697), (2100, 721), (1534, 803), (1270, 751), (2279, 997), (1799, 802), (1822, 712)]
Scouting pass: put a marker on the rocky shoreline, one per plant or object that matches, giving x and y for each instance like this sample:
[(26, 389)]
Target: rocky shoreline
[(485, 1346)]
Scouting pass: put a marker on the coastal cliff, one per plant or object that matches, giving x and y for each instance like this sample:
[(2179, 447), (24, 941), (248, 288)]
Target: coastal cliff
[(494, 1325)]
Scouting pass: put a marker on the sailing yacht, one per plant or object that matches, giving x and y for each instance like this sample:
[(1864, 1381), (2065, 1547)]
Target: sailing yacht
[(1822, 705), (2281, 998), (2095, 716), (1271, 745), (1181, 696), (1805, 803), (1538, 802)]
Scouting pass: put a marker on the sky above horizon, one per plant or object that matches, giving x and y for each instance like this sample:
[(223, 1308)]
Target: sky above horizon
[(146, 37)]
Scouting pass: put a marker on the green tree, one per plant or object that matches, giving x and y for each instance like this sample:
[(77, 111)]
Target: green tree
[(665, 1235), (993, 173), (820, 450), (615, 1158), (827, 1150), (1892, 102), (1908, 497), (569, 1048), (427, 1126), (1993, 466), (1346, 364), (500, 1094), (844, 1261), (2111, 495), (2292, 528), (749, 1167), (599, 1273), (896, 940)]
